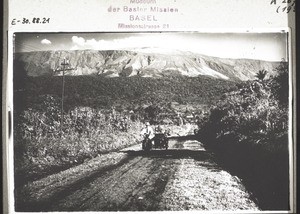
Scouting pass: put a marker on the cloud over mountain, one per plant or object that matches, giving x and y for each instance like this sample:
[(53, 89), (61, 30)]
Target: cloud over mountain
[(46, 42)]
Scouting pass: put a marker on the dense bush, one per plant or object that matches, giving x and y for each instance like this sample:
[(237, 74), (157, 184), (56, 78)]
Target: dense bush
[(248, 129), (258, 108), (248, 115)]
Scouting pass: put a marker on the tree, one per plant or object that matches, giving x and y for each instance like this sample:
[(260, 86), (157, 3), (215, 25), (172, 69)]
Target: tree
[(280, 83), (261, 74), (151, 113)]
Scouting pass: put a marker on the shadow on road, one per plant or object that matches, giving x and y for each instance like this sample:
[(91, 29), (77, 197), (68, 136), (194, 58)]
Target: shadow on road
[(204, 158), (47, 205), (172, 153), (264, 174), (183, 138), (177, 150), (185, 147)]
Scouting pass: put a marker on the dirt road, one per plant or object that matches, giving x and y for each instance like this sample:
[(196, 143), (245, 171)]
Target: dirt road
[(185, 177)]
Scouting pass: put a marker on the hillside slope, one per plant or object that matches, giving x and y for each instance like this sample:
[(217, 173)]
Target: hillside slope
[(146, 64)]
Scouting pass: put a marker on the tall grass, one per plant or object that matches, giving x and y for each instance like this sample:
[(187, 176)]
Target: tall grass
[(43, 145)]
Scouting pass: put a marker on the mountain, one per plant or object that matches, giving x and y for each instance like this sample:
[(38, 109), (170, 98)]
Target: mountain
[(142, 62)]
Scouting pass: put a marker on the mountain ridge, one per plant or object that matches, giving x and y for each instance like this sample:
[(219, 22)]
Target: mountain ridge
[(127, 63)]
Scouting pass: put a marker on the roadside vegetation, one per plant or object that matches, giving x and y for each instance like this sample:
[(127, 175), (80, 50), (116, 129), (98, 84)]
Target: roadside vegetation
[(248, 129), (44, 146), (101, 115)]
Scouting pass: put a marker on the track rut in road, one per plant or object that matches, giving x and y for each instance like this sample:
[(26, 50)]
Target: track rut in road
[(133, 186), (185, 177)]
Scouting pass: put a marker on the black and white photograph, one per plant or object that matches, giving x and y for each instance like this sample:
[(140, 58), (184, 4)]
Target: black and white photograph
[(151, 121)]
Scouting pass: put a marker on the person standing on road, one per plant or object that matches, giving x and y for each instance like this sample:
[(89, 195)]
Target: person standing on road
[(148, 131)]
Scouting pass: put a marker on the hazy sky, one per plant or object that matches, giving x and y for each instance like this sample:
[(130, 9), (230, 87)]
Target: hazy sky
[(265, 46)]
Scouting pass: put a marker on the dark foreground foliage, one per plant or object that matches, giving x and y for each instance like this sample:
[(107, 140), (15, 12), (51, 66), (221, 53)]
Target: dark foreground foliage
[(248, 129)]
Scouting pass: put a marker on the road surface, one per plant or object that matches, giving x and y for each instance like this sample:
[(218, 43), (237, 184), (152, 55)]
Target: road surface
[(184, 177)]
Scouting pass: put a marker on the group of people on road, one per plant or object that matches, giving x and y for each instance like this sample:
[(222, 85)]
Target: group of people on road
[(148, 131)]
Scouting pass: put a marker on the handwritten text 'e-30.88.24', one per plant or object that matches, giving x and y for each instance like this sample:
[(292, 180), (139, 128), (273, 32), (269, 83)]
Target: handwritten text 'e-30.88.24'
[(34, 20)]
